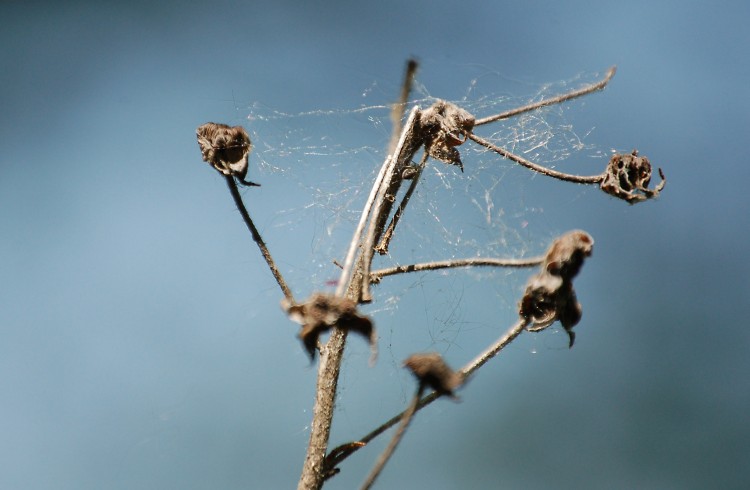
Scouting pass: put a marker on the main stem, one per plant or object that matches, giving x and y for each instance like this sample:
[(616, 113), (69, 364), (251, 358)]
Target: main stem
[(325, 400), (313, 471), (355, 280)]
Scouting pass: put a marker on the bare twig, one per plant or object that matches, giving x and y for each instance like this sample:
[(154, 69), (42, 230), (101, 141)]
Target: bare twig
[(257, 238), (388, 452), (315, 468), (493, 350), (465, 372), (354, 245), (554, 100), (382, 247), (399, 108), (580, 179), (455, 263), (386, 195)]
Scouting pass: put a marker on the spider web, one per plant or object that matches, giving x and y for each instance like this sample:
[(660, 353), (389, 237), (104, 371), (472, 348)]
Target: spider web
[(325, 161)]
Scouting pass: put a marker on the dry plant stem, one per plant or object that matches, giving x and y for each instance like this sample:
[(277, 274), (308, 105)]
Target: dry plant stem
[(492, 350), (382, 247), (466, 371), (580, 179), (388, 452), (258, 239), (555, 100), (455, 263), (354, 245), (386, 196), (399, 108), (312, 477)]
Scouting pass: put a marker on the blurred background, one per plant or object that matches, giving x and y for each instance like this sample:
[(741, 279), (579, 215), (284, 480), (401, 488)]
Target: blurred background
[(141, 342)]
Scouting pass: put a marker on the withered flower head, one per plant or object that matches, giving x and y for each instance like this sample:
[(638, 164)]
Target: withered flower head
[(565, 256), (445, 126), (627, 177), (550, 295), (226, 148), (432, 371), (323, 311)]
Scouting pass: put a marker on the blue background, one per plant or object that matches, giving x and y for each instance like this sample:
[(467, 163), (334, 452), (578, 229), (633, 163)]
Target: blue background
[(141, 345)]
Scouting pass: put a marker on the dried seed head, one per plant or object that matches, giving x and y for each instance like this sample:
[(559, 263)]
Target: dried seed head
[(445, 126), (627, 177), (321, 312), (550, 295), (432, 371), (565, 256), (226, 148)]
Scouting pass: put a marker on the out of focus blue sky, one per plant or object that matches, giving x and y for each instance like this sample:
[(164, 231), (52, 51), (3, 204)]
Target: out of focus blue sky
[(141, 345)]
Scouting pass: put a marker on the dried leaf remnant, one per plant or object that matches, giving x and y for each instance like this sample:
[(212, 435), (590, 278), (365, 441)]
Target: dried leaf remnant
[(321, 312)]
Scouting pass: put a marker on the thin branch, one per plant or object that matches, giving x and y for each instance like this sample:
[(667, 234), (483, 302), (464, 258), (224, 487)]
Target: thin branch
[(466, 371), (388, 452), (555, 100), (382, 247), (386, 195), (397, 115), (455, 263), (314, 468), (579, 179), (346, 269), (495, 348), (399, 108), (258, 239)]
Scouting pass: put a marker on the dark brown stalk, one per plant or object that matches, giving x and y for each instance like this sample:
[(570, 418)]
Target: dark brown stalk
[(579, 179), (257, 238)]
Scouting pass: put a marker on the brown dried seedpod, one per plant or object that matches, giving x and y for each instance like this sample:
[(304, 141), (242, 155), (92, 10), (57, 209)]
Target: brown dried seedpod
[(432, 371), (323, 311), (550, 295), (565, 256), (627, 177), (445, 126), (549, 298), (226, 148)]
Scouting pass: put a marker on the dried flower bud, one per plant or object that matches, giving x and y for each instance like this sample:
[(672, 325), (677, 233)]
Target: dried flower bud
[(226, 148), (566, 254), (433, 372), (445, 126), (627, 177), (323, 311), (550, 295)]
